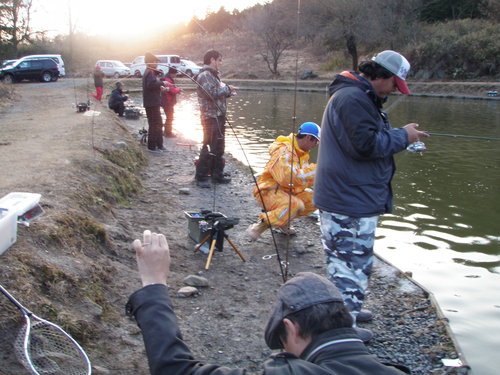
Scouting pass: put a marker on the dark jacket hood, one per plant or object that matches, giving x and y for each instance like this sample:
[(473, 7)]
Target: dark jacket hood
[(350, 79)]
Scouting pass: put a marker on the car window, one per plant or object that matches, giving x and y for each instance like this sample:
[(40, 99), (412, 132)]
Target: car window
[(36, 64), (25, 64), (175, 60)]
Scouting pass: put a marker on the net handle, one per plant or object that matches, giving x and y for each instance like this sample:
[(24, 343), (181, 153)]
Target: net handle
[(15, 301)]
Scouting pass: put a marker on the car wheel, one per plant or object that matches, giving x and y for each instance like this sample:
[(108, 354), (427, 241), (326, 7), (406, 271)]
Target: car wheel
[(8, 78), (46, 77), (116, 75), (189, 73), (54, 78), (137, 73)]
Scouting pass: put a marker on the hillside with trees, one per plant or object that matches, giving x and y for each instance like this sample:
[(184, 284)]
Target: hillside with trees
[(443, 39)]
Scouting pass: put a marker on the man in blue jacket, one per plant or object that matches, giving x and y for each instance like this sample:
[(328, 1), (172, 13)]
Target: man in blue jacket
[(355, 168), (309, 321)]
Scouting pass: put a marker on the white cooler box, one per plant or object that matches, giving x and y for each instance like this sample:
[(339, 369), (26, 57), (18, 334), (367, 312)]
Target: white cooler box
[(12, 206)]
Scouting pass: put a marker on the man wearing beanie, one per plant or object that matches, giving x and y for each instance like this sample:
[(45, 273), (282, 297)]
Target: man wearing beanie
[(309, 321), (151, 97), (355, 168), (117, 99)]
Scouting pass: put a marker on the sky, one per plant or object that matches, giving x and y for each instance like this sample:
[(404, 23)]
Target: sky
[(123, 17)]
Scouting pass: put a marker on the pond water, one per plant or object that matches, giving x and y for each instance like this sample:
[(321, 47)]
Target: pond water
[(445, 227)]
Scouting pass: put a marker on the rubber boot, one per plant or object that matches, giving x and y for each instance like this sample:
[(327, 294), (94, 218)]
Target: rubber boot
[(255, 230)]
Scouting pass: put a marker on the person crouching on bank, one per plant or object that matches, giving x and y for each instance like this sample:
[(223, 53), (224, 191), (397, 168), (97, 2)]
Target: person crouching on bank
[(117, 99), (282, 202)]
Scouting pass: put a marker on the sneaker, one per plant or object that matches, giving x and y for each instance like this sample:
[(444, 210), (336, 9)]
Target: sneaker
[(203, 183), (364, 316), (364, 334), (162, 148), (255, 230), (155, 151), (286, 231)]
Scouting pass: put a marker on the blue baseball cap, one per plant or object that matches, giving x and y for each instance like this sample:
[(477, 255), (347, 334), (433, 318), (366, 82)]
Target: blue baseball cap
[(310, 128)]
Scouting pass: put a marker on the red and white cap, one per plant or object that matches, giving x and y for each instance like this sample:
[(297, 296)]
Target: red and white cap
[(397, 65)]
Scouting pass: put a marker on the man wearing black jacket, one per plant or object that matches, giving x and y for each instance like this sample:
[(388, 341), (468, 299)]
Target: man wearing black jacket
[(309, 321), (117, 99), (151, 97)]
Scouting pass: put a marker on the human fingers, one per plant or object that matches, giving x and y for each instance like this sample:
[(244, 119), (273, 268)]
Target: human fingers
[(424, 134), (146, 237), (137, 246)]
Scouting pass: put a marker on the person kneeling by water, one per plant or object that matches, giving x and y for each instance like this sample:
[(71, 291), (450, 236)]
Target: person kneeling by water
[(117, 99), (289, 155), (309, 321)]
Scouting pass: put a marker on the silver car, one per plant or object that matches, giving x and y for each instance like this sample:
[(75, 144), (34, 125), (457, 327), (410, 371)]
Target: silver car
[(113, 68)]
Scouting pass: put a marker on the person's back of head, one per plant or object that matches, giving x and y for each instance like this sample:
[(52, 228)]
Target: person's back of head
[(311, 301), (317, 319), (209, 55)]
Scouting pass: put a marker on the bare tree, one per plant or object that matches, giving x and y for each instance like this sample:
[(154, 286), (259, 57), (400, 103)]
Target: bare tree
[(396, 22), (346, 23), (273, 24), (15, 23)]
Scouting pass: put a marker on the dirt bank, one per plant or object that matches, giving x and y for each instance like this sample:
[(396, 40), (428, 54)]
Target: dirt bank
[(74, 265)]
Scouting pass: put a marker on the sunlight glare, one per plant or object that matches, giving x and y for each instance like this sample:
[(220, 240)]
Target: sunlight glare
[(125, 18)]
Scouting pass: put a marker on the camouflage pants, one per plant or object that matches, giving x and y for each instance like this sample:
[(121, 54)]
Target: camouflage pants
[(348, 244)]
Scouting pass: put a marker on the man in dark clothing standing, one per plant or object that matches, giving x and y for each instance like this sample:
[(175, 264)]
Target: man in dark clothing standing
[(354, 172), (212, 94), (117, 99), (151, 97)]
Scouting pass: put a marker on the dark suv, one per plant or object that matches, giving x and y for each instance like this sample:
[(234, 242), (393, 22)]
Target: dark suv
[(45, 70)]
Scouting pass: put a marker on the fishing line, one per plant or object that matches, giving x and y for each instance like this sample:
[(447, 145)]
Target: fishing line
[(464, 136)]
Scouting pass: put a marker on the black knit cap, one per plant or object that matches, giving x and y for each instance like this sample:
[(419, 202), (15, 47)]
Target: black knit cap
[(306, 289)]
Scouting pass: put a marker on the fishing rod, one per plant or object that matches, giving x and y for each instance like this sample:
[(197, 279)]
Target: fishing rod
[(293, 127), (278, 257), (464, 136)]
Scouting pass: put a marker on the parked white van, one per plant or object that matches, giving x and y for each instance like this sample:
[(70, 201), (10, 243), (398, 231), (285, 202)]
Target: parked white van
[(138, 66), (57, 58)]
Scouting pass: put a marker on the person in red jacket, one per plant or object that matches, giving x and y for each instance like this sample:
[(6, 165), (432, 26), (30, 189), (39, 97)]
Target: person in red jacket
[(98, 83), (168, 101)]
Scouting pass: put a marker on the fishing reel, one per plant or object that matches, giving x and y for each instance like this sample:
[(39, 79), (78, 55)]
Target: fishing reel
[(220, 221)]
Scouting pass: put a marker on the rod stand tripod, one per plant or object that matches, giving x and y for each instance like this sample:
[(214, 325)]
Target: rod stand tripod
[(217, 235)]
